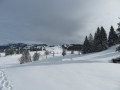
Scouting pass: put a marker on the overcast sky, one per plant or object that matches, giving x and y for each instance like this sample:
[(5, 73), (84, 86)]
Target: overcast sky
[(55, 21)]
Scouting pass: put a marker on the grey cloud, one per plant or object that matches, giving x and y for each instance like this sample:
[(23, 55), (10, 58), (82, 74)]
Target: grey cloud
[(55, 21)]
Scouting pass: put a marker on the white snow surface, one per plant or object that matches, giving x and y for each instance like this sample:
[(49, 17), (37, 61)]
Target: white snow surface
[(73, 72)]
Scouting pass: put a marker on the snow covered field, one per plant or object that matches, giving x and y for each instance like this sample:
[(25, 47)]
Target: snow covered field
[(73, 72)]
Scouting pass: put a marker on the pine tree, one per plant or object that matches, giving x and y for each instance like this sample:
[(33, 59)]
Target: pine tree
[(86, 46), (103, 39), (97, 40), (119, 39), (91, 41), (91, 38), (118, 29), (100, 40), (113, 38), (21, 51)]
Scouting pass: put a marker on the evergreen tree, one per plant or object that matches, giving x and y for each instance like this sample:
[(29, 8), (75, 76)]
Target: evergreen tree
[(91, 38), (119, 39), (36, 56), (116, 38), (21, 51), (86, 46), (118, 29), (91, 41), (113, 38), (103, 39), (25, 57), (97, 40), (100, 40)]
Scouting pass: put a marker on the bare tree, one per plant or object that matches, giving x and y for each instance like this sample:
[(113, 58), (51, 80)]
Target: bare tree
[(46, 53)]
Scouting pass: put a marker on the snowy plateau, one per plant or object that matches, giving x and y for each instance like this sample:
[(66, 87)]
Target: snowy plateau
[(92, 71)]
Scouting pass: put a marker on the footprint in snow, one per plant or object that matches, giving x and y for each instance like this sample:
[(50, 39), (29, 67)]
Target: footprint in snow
[(4, 82)]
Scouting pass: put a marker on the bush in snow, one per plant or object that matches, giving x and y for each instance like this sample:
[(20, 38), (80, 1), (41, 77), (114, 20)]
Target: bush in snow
[(36, 56), (9, 52), (25, 57)]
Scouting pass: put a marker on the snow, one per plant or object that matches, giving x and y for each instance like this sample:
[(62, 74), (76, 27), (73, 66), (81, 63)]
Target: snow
[(73, 72)]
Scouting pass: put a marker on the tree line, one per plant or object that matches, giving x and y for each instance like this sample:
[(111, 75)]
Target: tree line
[(100, 41)]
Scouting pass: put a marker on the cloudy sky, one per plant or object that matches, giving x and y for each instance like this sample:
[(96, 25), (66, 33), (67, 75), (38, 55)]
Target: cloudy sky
[(55, 21)]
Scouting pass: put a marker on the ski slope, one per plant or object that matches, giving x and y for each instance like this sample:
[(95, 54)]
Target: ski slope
[(73, 72)]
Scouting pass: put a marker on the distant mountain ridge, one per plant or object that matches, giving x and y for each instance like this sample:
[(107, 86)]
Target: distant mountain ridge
[(21, 46)]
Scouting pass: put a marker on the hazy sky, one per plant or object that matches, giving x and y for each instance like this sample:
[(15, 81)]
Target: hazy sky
[(55, 21)]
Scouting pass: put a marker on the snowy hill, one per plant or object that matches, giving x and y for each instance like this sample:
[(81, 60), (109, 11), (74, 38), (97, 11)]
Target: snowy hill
[(73, 72)]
